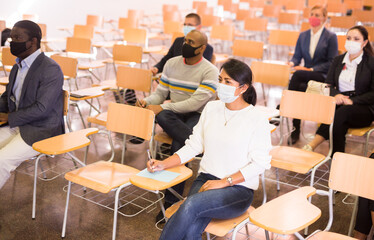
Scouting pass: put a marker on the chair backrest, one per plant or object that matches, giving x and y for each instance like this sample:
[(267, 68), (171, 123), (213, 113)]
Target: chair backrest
[(248, 48), (66, 102), (256, 24), (312, 3), (271, 11), (295, 5), (95, 21), (271, 73), (171, 27), (170, 8), (7, 57), (127, 53), (171, 16), (341, 43), (134, 78), (352, 174), (79, 45), (304, 26), (83, 31), (243, 14), (130, 120), (283, 37), (135, 35), (222, 32), (371, 33), (336, 7), (135, 14), (43, 27), (256, 3), (124, 23), (364, 15), (197, 4), (354, 4), (342, 21), (289, 18), (307, 106), (204, 11), (68, 65), (208, 20)]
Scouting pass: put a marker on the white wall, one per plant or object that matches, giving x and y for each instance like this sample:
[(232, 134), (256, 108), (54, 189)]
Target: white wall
[(66, 13)]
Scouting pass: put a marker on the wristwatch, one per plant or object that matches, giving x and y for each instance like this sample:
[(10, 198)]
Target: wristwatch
[(229, 180)]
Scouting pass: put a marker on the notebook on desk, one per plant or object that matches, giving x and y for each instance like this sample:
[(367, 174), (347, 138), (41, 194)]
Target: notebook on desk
[(163, 176)]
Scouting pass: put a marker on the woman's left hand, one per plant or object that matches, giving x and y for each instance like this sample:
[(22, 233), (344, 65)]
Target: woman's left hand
[(214, 184)]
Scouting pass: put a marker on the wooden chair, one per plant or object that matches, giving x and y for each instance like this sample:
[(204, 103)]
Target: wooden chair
[(61, 144), (248, 49), (136, 36), (304, 26), (256, 28), (309, 107), (171, 16), (271, 11), (243, 14), (222, 34), (371, 33), (341, 43), (364, 16), (126, 55), (295, 6), (220, 227), (270, 74), (312, 3), (124, 23), (336, 8), (285, 39), (127, 78), (2, 25), (362, 132), (171, 27), (209, 20), (291, 212), (354, 4), (82, 48), (289, 18), (83, 31), (104, 177)]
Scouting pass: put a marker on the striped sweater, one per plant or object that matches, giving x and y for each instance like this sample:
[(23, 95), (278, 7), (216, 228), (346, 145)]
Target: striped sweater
[(190, 86)]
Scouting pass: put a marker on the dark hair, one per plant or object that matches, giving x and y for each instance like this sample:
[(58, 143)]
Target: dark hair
[(323, 9), (240, 72), (368, 49), (32, 29), (196, 16)]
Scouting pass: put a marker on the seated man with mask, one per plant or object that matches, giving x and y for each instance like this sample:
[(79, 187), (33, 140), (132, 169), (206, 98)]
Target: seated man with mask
[(191, 22), (32, 103), (191, 81)]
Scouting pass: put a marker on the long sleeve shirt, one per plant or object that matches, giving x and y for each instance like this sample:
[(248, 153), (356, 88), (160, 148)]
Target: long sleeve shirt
[(231, 141), (190, 86)]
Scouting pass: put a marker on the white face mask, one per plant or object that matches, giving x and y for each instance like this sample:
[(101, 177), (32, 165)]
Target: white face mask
[(226, 93), (352, 47), (188, 29)]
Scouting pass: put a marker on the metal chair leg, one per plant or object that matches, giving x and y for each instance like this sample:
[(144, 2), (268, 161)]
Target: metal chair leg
[(66, 211), (34, 190)]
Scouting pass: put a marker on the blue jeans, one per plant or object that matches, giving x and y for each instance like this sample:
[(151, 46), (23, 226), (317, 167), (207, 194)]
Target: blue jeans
[(179, 127), (190, 221)]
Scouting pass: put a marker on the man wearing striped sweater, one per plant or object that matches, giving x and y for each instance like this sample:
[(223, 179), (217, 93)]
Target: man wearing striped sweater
[(191, 81)]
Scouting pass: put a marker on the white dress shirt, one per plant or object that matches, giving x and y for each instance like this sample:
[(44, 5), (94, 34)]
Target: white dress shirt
[(232, 141), (23, 69), (314, 38), (348, 74)]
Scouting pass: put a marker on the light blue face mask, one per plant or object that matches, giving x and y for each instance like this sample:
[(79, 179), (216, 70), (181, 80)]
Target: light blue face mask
[(187, 29)]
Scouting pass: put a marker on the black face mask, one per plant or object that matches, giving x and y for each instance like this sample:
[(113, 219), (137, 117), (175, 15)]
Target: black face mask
[(17, 48), (188, 51)]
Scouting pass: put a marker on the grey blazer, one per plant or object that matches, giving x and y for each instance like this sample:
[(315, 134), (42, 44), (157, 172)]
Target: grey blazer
[(40, 111)]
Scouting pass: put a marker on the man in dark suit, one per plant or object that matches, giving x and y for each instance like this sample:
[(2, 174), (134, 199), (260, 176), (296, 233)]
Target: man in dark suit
[(191, 22), (32, 104), (317, 47)]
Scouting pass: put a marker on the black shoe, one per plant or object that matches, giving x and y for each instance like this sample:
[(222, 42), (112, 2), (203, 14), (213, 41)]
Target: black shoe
[(295, 135), (136, 140)]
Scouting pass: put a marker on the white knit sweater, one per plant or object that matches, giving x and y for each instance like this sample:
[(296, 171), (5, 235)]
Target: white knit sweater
[(243, 144)]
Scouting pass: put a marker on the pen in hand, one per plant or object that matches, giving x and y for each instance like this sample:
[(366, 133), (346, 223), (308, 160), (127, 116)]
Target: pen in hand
[(149, 159)]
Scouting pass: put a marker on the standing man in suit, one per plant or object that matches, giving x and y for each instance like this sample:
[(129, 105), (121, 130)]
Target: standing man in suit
[(317, 47), (32, 104), (191, 22)]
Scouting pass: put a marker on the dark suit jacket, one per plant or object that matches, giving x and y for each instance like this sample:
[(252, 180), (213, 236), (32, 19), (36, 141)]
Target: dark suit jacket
[(40, 111), (176, 50), (326, 50), (364, 80)]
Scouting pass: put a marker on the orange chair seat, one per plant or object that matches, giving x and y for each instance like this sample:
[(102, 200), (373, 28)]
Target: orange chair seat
[(294, 159), (4, 80), (329, 236), (163, 137), (65, 142), (288, 213), (102, 176), (218, 227), (360, 131), (100, 119)]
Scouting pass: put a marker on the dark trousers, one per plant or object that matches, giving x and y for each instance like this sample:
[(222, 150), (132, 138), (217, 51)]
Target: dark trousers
[(346, 116), (363, 220), (299, 82), (179, 127)]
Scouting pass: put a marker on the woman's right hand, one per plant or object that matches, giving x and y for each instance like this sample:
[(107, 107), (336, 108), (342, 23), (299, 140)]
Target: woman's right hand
[(154, 165), (340, 99)]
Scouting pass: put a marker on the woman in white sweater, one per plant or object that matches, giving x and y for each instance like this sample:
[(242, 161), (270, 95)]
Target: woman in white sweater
[(235, 139)]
